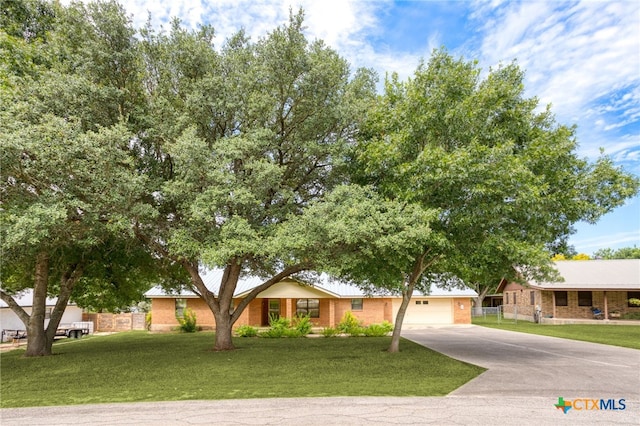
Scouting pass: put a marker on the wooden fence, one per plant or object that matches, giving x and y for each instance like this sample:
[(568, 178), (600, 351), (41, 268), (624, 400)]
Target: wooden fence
[(116, 322)]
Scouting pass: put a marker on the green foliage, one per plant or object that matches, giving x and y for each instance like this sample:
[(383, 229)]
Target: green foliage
[(277, 321), (378, 330), (330, 332), (503, 176), (284, 327), (622, 253), (351, 325), (246, 331), (303, 324), (631, 316), (147, 320), (627, 336), (188, 321), (634, 302)]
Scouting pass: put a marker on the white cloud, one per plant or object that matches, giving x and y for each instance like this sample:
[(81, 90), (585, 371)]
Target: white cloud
[(610, 241), (573, 54)]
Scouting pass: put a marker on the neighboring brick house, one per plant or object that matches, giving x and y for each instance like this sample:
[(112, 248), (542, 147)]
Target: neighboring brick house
[(326, 303), (604, 284)]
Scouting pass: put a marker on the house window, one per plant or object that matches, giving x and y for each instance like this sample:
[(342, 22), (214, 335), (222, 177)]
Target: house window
[(506, 298), (632, 295), (309, 307), (585, 298), (515, 298), (47, 313), (561, 298), (181, 305), (356, 304), (532, 296), (274, 308)]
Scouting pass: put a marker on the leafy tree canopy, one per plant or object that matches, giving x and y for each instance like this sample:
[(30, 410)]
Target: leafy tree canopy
[(503, 176), (621, 253)]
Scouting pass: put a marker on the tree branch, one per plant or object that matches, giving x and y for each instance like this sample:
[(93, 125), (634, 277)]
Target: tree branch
[(13, 305)]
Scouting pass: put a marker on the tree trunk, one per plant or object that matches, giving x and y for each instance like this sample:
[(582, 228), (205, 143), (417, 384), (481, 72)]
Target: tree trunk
[(222, 306), (225, 318), (418, 269), (397, 328), (224, 326), (40, 339), (37, 342), (482, 293)]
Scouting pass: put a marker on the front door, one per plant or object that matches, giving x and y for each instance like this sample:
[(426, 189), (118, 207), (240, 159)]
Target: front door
[(270, 307)]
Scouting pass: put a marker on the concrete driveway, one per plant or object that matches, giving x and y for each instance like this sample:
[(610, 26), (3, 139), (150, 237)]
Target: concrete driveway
[(527, 365), (526, 375)]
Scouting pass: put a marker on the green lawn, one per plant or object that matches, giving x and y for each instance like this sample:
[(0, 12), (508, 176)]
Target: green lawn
[(627, 336), (139, 366)]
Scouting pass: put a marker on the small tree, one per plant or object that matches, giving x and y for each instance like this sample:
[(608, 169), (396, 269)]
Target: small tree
[(502, 175)]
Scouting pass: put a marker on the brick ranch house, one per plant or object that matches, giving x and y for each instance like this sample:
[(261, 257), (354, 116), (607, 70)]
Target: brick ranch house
[(326, 303), (604, 284)]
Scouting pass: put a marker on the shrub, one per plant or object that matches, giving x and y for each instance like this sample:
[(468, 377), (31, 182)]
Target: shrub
[(378, 330), (291, 332), (276, 321), (282, 327), (349, 324), (631, 316), (303, 324), (246, 331), (634, 302), (272, 332), (188, 321), (330, 332), (147, 321)]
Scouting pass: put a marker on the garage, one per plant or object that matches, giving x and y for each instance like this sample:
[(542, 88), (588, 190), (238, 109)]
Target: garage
[(427, 311)]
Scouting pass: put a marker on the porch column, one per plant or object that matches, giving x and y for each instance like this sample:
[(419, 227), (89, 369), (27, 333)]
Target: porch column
[(553, 301), (288, 309), (606, 306)]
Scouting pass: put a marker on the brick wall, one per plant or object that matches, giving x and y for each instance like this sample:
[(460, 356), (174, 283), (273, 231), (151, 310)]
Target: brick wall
[(331, 312), (462, 311), (616, 301), (517, 299)]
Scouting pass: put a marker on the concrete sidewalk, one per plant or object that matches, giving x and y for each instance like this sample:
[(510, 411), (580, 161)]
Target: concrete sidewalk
[(526, 376)]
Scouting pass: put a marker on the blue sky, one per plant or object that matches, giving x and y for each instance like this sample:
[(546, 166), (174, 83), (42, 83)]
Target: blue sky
[(583, 58)]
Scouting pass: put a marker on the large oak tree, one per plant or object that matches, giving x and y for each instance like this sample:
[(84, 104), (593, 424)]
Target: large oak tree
[(69, 183), (244, 143)]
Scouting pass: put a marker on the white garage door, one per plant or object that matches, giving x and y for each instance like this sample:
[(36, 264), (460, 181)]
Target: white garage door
[(432, 311)]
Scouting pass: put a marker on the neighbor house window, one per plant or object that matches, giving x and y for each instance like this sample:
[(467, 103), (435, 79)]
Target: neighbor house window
[(515, 298), (506, 298), (356, 304), (585, 298), (561, 298), (181, 305), (532, 296), (632, 295), (47, 313), (309, 307)]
